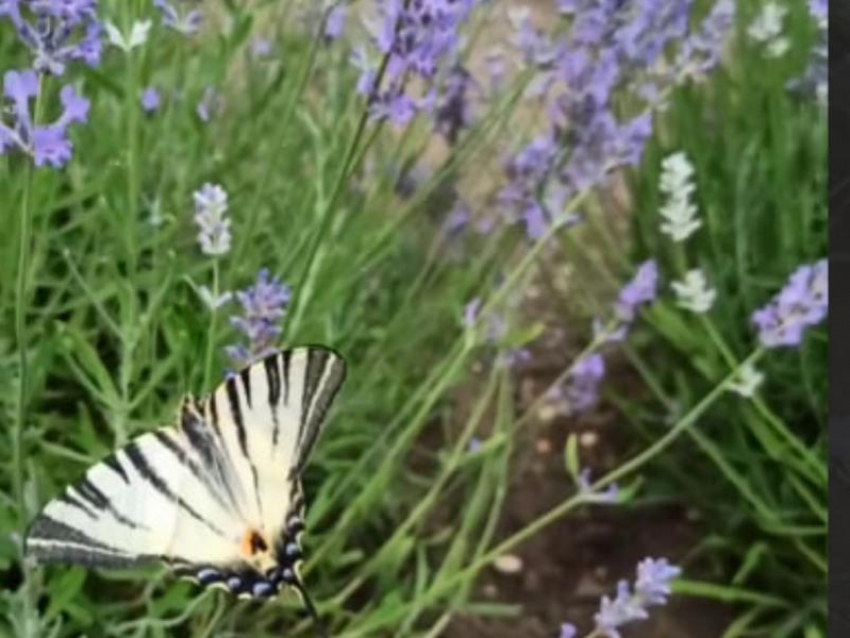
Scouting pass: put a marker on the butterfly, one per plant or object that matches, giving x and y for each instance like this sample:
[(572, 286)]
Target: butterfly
[(217, 498)]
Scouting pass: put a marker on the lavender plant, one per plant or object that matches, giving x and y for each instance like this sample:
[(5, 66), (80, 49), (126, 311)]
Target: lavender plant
[(651, 588), (46, 144), (57, 32), (361, 152)]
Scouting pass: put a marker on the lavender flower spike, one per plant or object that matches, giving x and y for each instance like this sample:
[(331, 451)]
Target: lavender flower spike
[(49, 144), (652, 587), (56, 31), (263, 306), (583, 389), (568, 631), (210, 216), (150, 100), (639, 291), (188, 21), (802, 303), (417, 38), (335, 23), (609, 496)]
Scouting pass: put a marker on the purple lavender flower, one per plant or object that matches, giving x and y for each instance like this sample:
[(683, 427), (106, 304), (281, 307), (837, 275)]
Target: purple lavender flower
[(701, 52), (819, 10), (470, 313), (260, 48), (568, 630), (582, 389), (263, 306), (57, 31), (496, 69), (47, 144), (802, 303), (495, 328), (335, 23), (641, 290), (417, 38), (651, 588), (210, 215), (653, 580), (150, 100), (453, 112), (513, 357), (613, 48), (610, 495), (457, 220), (184, 20), (528, 172)]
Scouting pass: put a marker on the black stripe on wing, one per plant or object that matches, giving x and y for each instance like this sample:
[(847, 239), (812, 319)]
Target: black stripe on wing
[(137, 458), (52, 541), (70, 499), (323, 377), (241, 433), (286, 361), (216, 470), (87, 557), (92, 495)]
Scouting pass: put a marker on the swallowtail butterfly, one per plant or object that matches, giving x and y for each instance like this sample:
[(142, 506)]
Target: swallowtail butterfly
[(217, 498)]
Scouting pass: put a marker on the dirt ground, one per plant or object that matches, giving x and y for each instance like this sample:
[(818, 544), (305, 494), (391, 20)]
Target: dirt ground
[(568, 566)]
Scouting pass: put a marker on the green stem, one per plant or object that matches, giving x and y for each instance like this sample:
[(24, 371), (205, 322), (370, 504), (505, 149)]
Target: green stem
[(633, 464), (270, 167), (211, 341), (21, 304), (352, 158), (814, 463), (25, 239), (21, 337), (132, 164)]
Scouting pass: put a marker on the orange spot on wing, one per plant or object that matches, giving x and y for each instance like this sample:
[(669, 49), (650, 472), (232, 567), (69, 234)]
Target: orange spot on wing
[(252, 543)]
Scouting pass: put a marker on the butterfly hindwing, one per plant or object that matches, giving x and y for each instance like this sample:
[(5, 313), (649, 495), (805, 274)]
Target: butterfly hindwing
[(188, 495)]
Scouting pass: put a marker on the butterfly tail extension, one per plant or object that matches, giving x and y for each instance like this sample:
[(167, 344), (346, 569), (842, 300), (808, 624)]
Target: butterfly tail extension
[(310, 610)]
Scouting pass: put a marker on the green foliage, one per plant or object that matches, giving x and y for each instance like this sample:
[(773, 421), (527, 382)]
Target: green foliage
[(755, 470)]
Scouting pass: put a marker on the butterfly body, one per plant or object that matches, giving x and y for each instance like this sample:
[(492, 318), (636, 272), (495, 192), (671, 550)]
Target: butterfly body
[(217, 498)]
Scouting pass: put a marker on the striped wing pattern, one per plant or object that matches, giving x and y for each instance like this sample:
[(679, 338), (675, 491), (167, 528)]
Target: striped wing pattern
[(219, 497)]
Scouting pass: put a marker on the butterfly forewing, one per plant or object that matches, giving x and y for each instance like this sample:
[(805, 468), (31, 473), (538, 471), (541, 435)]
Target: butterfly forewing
[(130, 509), (189, 495)]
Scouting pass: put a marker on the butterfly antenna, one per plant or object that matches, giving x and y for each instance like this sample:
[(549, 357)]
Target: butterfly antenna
[(310, 608)]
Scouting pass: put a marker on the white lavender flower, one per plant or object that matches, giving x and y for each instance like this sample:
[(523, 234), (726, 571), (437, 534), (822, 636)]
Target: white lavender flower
[(211, 301), (747, 381), (137, 37), (211, 217), (679, 213), (766, 29), (694, 293)]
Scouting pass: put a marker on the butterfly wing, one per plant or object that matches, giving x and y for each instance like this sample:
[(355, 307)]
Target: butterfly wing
[(188, 495), (266, 420), (148, 501)]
